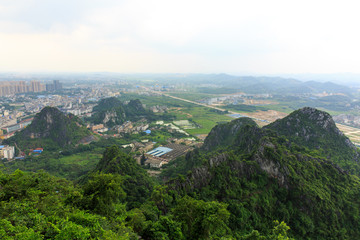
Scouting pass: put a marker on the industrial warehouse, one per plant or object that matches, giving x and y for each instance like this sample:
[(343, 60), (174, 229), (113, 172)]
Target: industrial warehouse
[(163, 155)]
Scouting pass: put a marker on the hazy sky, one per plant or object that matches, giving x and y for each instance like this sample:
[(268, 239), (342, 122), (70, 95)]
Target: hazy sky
[(252, 36)]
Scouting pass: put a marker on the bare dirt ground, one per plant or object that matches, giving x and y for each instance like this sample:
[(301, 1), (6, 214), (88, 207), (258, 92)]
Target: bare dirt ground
[(258, 102), (201, 136), (269, 115), (351, 132), (153, 173), (181, 112)]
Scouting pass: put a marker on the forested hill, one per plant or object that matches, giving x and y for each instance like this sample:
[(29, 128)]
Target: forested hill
[(245, 182), (316, 130), (264, 176), (52, 129), (111, 111), (137, 183)]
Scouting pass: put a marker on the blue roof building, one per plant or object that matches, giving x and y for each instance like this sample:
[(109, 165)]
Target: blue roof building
[(159, 151)]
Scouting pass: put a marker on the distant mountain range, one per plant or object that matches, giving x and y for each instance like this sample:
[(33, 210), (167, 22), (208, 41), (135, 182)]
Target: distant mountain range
[(251, 84), (289, 84)]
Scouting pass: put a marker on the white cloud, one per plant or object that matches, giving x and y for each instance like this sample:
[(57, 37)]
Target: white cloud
[(259, 36)]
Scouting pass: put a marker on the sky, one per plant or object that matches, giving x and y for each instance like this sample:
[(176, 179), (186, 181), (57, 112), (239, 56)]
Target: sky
[(168, 36)]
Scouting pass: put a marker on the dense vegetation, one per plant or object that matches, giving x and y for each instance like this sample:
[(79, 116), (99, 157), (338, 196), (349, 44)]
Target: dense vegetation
[(40, 206), (136, 183), (263, 176), (244, 183)]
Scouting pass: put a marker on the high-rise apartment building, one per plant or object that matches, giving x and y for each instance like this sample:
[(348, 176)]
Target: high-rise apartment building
[(9, 88)]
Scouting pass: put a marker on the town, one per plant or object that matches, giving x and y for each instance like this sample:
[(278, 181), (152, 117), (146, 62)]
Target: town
[(21, 101)]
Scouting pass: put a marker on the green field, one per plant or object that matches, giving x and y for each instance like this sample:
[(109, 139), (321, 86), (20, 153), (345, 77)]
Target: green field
[(202, 116)]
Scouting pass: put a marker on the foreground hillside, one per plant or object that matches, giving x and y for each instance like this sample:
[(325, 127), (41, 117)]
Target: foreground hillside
[(264, 176), (245, 182)]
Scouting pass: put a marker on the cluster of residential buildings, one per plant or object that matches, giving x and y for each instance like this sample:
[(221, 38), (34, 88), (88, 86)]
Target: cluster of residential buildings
[(13, 87), (11, 129), (130, 127), (17, 108), (7, 152), (99, 128)]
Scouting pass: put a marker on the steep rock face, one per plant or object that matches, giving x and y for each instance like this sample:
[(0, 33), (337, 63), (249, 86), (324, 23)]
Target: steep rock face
[(225, 134), (111, 118), (109, 111), (271, 165)]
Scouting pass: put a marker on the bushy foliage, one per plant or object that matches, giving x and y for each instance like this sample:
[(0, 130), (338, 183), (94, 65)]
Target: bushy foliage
[(136, 182), (254, 184), (38, 206)]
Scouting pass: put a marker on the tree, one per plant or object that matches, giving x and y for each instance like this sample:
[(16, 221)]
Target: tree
[(161, 198), (202, 220), (102, 192), (142, 160)]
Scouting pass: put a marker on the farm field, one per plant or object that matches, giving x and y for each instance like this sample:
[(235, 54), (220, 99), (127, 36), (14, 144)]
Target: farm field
[(351, 132)]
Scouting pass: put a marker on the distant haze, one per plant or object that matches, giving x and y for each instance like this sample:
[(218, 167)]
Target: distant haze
[(232, 36)]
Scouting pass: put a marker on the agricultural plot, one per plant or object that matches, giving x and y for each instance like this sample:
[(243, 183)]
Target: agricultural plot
[(352, 133), (204, 118)]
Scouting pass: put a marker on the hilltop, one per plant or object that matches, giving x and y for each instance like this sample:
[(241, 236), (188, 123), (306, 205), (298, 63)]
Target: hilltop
[(137, 183), (111, 111), (317, 131), (245, 182), (52, 129), (264, 174)]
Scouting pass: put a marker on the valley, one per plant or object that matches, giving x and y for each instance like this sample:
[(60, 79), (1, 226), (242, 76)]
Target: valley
[(148, 154)]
